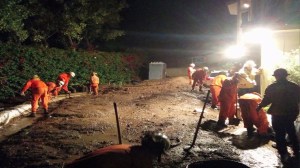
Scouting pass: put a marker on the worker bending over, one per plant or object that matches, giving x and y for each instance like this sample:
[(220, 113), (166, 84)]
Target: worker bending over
[(63, 81), (215, 89), (228, 98), (198, 76), (39, 91)]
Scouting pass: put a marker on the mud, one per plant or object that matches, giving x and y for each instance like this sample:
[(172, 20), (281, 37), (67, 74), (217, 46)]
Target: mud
[(82, 124)]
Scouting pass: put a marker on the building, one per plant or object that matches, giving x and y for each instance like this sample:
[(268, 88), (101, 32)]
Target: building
[(271, 30)]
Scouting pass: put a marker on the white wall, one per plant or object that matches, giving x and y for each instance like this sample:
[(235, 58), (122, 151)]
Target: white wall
[(272, 54)]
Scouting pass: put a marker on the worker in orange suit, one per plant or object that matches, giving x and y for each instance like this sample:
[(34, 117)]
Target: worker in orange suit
[(63, 81), (228, 98), (39, 91), (125, 155), (52, 89), (215, 88), (248, 103), (198, 76), (190, 71), (94, 83)]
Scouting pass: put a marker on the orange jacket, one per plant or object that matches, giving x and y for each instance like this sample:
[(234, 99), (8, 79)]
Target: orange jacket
[(199, 75), (115, 156), (228, 91), (218, 80), (34, 83), (66, 78), (248, 103), (94, 80), (51, 86)]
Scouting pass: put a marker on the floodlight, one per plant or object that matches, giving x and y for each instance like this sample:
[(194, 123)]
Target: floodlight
[(235, 51), (257, 35)]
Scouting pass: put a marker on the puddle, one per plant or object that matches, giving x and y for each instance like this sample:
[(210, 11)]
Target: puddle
[(15, 127)]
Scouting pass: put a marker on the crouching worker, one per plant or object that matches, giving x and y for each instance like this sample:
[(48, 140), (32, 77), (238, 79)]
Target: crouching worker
[(126, 156), (248, 103), (52, 90), (39, 91)]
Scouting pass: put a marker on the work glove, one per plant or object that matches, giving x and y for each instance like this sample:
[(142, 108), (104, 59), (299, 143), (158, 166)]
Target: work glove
[(22, 94)]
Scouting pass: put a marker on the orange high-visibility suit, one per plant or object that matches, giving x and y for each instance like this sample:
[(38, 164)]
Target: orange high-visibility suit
[(52, 89), (39, 91), (198, 76), (227, 98), (215, 89), (248, 103), (115, 156), (190, 72), (65, 77), (94, 83)]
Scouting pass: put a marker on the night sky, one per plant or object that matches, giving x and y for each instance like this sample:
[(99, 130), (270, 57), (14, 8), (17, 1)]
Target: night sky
[(172, 28)]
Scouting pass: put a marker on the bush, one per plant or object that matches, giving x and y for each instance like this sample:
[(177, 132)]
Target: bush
[(19, 63)]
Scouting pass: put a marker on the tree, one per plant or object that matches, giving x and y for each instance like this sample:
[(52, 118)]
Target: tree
[(68, 22), (12, 17)]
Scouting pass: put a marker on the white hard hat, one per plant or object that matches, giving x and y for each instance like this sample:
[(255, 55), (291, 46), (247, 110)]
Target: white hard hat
[(72, 74), (250, 63), (192, 65), (205, 68), (61, 83)]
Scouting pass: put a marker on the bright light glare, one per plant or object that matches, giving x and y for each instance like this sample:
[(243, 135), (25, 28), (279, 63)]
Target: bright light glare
[(258, 35), (245, 5), (234, 52)]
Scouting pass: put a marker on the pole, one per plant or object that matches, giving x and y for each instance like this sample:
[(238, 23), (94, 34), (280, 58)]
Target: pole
[(118, 125), (236, 104), (200, 119)]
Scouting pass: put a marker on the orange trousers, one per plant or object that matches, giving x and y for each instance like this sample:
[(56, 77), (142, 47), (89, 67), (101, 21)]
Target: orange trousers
[(95, 88), (252, 117), (227, 110), (215, 92), (39, 94)]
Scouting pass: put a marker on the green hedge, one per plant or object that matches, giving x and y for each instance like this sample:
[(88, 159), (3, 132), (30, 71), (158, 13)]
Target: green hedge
[(19, 63)]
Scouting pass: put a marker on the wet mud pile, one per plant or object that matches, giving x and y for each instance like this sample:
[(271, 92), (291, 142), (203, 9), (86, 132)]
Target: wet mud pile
[(82, 124)]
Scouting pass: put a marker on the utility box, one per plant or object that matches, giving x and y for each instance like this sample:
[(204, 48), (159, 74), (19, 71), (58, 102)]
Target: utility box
[(157, 70)]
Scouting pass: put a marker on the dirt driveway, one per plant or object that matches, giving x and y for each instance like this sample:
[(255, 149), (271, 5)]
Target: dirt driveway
[(82, 124)]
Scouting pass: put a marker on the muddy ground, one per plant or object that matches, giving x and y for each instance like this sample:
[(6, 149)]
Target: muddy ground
[(82, 124)]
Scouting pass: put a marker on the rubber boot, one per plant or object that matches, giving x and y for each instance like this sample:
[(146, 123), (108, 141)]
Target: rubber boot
[(46, 113), (221, 124), (250, 131), (32, 114)]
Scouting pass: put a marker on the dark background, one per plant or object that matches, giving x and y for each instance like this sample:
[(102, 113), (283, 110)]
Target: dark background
[(174, 31)]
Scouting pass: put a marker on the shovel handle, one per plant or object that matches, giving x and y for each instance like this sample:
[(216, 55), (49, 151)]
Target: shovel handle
[(118, 125), (200, 119)]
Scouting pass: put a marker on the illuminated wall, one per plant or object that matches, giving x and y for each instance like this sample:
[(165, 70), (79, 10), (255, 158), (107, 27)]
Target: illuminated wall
[(274, 53)]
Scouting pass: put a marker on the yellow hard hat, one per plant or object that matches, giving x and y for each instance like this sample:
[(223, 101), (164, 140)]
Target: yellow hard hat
[(35, 77)]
